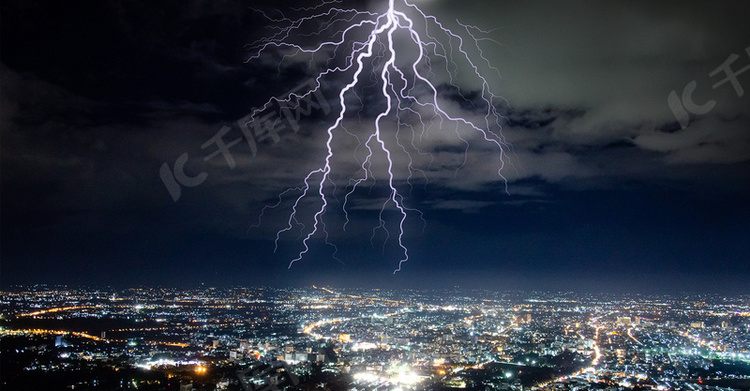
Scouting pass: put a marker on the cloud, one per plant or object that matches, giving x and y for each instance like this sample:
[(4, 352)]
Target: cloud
[(470, 206), (587, 77), (586, 87), (591, 74), (707, 141)]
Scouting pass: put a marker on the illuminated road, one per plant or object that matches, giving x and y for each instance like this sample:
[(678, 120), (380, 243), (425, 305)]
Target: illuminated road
[(630, 334), (309, 329), (701, 342), (594, 361), (58, 309), (360, 297), (85, 335), (597, 351)]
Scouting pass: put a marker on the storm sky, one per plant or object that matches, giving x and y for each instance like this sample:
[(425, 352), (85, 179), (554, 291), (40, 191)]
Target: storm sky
[(611, 183)]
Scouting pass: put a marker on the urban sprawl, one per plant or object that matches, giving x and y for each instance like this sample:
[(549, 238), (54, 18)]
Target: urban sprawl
[(321, 338)]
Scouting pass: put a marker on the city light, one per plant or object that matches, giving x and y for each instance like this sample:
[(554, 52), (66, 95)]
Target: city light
[(453, 344)]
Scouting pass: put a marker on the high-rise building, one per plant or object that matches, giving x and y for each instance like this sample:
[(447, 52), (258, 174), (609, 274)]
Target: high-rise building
[(624, 321)]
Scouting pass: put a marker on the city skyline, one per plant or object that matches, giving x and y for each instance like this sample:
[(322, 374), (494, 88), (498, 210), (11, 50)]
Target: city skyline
[(254, 338)]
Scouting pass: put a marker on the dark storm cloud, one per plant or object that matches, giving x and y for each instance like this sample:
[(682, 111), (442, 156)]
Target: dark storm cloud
[(95, 99), (591, 74), (575, 78)]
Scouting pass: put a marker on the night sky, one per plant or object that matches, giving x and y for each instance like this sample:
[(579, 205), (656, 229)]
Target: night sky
[(606, 188)]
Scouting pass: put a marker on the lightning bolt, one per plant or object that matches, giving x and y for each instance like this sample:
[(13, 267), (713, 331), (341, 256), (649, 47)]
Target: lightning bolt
[(370, 45)]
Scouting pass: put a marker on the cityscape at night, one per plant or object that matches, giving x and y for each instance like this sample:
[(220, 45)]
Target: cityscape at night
[(374, 195), (318, 338)]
